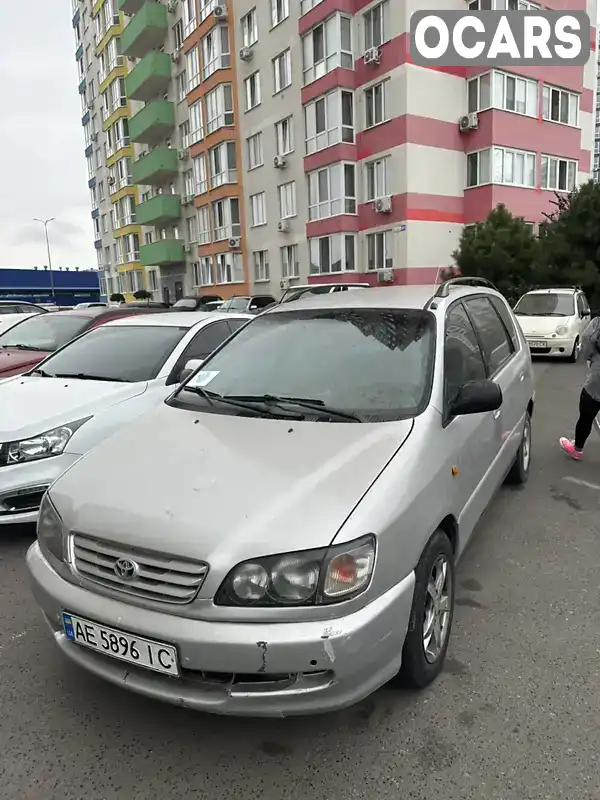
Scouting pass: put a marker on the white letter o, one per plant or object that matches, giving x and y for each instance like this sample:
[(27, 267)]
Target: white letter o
[(422, 26)]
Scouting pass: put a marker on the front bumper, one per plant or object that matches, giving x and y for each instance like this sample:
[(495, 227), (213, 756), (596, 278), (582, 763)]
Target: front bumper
[(553, 346), (23, 485), (266, 670)]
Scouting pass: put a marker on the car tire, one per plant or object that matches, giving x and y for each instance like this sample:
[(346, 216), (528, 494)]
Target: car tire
[(423, 654), (574, 355), (519, 472)]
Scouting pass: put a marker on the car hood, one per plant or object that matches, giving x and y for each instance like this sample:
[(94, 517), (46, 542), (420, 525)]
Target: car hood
[(542, 326), (222, 488), (19, 359), (32, 405)]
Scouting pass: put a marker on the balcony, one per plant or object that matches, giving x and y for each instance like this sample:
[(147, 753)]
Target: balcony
[(130, 7), (150, 77), (160, 210), (163, 253), (154, 122), (146, 31), (158, 167)]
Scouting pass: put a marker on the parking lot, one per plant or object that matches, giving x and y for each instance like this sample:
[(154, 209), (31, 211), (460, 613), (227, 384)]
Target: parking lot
[(514, 715)]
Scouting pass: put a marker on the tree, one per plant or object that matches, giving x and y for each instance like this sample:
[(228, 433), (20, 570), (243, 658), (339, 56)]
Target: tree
[(501, 249), (117, 297), (142, 294)]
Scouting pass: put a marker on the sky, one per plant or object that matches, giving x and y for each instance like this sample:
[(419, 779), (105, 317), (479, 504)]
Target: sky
[(43, 170)]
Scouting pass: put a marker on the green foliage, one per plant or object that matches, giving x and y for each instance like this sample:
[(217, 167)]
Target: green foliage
[(117, 297), (142, 294)]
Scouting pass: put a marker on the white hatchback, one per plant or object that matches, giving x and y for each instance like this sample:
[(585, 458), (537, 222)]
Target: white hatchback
[(553, 321)]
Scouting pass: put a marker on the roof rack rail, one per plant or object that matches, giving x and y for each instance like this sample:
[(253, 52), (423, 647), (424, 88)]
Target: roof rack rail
[(443, 290)]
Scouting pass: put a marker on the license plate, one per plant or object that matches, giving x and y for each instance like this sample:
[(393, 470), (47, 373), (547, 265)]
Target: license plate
[(539, 345), (117, 644)]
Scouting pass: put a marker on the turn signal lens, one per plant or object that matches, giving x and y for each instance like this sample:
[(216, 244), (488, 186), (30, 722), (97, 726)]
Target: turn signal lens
[(349, 572)]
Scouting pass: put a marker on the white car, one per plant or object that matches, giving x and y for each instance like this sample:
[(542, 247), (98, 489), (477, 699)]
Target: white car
[(75, 398), (15, 311), (553, 321)]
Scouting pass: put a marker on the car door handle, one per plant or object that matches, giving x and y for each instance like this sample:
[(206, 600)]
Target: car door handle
[(522, 376), (497, 413)]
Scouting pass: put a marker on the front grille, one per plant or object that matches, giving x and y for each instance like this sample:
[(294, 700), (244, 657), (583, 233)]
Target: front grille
[(21, 501), (158, 577)]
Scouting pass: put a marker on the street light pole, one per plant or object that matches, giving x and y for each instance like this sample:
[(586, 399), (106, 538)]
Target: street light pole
[(45, 222)]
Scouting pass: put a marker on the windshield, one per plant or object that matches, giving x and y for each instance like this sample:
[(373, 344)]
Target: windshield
[(235, 304), (546, 305), (120, 353), (46, 332), (375, 363)]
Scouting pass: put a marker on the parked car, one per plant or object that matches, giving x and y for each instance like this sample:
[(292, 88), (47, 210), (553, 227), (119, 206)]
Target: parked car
[(280, 536), (251, 305), (295, 292), (25, 344), (553, 321), (90, 305), (196, 302), (157, 304), (12, 312), (87, 390)]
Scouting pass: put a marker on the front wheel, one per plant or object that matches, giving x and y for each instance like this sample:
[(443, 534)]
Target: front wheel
[(431, 614), (519, 472), (575, 352)]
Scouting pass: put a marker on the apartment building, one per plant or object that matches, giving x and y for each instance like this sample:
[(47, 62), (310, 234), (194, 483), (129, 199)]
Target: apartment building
[(262, 144)]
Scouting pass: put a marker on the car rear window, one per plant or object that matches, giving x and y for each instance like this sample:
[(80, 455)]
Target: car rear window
[(46, 332)]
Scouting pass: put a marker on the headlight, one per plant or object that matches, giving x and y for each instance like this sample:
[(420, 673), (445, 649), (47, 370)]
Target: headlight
[(50, 529), (562, 330), (51, 443), (305, 578)]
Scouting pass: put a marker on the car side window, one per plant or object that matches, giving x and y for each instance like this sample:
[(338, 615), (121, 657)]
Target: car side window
[(496, 344), (235, 324), (507, 319), (586, 305), (261, 302), (463, 359), (9, 310), (207, 340)]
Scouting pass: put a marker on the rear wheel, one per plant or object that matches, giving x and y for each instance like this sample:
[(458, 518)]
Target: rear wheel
[(519, 472), (574, 356), (431, 615)]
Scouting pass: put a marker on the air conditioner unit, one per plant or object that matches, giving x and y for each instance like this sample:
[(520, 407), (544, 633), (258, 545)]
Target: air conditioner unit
[(171, 5), (372, 55), (385, 275), (187, 248), (175, 56), (220, 12), (94, 137), (116, 20), (284, 284), (383, 205), (188, 199), (182, 155), (469, 122), (110, 180), (283, 226), (246, 54), (279, 162), (235, 242)]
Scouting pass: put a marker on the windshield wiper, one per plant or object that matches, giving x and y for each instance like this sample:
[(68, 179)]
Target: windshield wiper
[(304, 402), (23, 347), (248, 404), (82, 376), (41, 372)]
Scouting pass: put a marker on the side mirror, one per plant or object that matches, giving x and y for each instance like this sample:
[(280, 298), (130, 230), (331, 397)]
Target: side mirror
[(477, 397), (192, 365)]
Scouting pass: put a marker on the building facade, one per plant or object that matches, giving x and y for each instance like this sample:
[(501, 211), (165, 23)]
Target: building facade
[(61, 287), (262, 144)]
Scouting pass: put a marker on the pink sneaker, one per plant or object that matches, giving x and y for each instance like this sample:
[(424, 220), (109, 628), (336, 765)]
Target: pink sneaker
[(568, 445)]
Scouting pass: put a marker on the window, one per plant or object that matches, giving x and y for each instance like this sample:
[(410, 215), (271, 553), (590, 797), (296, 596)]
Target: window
[(377, 173), (290, 267), (380, 254), (178, 35), (511, 93), (336, 253), (182, 86), (229, 268), (189, 17), (287, 200), (252, 90), (192, 64), (203, 275), (558, 174), (463, 359), (200, 177), (280, 10), (219, 107), (192, 230), (255, 150), (258, 209), (284, 136), (222, 164), (503, 5), (206, 8), (215, 50), (560, 106), (375, 104), (377, 25), (184, 134), (226, 219), (261, 265), (329, 120), (195, 123), (479, 168), (189, 183), (132, 247), (496, 344), (249, 28), (307, 5), (282, 71), (513, 167), (203, 225), (507, 321), (326, 47), (332, 191), (152, 280)]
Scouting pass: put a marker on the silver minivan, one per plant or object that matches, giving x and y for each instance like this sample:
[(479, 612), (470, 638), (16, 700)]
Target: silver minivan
[(280, 537)]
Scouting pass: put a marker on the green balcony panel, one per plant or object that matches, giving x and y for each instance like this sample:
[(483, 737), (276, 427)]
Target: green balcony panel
[(159, 210), (130, 6), (157, 167), (146, 31), (162, 253), (150, 77), (154, 122)]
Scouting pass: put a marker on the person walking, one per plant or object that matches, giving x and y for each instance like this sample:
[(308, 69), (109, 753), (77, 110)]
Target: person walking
[(589, 399)]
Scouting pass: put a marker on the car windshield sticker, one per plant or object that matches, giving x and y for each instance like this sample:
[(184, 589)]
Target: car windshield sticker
[(204, 377)]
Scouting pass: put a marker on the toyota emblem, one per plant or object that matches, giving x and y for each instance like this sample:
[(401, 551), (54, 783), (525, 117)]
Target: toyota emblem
[(126, 569)]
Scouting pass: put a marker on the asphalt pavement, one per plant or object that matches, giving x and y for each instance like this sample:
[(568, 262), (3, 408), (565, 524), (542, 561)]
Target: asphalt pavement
[(514, 716)]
